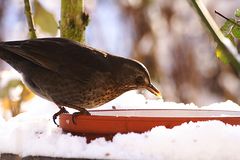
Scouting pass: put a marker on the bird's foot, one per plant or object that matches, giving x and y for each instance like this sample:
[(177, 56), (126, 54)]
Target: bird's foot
[(82, 111), (62, 110)]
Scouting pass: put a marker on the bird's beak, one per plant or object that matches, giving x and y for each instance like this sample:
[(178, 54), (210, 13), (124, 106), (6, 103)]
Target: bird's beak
[(154, 90)]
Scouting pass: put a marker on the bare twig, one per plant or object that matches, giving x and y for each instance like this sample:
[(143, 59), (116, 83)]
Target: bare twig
[(28, 14), (228, 19)]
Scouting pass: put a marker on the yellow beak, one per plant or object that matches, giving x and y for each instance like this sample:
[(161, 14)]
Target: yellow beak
[(154, 90)]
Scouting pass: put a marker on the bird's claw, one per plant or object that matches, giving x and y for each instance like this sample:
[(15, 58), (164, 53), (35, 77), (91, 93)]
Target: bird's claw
[(62, 110), (81, 112)]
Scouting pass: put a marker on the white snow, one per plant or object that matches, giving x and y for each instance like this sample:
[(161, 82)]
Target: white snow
[(33, 133)]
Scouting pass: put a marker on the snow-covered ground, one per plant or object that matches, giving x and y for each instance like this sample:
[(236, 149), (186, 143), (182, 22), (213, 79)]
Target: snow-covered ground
[(33, 133)]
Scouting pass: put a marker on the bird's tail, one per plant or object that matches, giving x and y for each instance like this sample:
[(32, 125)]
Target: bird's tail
[(10, 57), (1, 49)]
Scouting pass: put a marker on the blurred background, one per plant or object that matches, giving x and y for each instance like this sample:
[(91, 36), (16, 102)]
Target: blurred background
[(166, 35)]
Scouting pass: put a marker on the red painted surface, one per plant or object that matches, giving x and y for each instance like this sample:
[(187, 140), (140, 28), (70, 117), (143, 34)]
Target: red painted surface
[(106, 126)]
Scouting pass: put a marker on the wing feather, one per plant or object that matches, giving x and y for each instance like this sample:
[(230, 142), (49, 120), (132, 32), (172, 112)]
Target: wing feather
[(62, 56)]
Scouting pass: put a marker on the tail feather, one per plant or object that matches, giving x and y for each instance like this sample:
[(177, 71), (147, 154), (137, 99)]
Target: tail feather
[(11, 58)]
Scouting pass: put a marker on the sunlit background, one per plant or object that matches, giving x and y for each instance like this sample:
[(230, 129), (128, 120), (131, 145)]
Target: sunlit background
[(166, 35)]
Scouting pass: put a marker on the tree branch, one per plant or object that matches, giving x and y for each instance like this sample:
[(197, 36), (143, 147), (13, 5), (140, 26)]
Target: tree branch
[(225, 44), (28, 14), (73, 20)]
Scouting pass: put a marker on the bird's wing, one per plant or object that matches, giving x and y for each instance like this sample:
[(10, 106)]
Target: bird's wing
[(62, 56)]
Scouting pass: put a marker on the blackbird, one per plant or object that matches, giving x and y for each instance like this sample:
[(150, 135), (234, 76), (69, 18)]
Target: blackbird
[(72, 74)]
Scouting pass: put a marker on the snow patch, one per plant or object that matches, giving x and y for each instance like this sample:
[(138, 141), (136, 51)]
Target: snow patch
[(33, 133)]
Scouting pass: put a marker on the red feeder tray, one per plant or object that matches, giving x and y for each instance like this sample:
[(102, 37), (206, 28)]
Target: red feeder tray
[(107, 123)]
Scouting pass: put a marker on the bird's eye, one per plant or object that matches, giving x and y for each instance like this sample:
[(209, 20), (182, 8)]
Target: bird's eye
[(139, 80)]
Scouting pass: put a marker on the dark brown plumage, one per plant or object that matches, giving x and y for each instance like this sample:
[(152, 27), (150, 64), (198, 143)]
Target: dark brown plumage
[(74, 75)]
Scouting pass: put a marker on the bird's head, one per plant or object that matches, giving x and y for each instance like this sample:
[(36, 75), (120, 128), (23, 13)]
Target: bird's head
[(134, 75)]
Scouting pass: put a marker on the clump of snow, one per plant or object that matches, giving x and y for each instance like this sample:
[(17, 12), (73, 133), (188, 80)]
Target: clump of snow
[(201, 140), (8, 75), (137, 101), (33, 133)]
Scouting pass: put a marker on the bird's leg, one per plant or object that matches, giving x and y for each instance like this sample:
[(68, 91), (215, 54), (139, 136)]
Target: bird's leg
[(82, 111), (62, 110)]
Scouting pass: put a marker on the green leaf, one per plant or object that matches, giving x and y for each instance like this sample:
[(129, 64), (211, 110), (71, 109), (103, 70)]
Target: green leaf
[(221, 55), (231, 38), (236, 31), (237, 13), (227, 26), (44, 19)]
